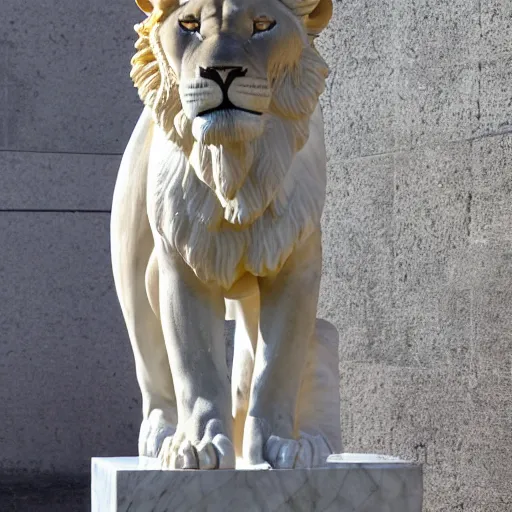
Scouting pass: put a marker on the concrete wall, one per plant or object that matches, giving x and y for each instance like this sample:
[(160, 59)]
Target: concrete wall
[(418, 238), (67, 108), (418, 245)]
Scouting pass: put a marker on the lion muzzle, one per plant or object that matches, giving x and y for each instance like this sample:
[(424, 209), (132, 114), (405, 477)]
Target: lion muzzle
[(224, 104), (224, 88), (224, 82)]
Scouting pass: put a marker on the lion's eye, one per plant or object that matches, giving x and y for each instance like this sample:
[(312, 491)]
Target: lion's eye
[(190, 25), (263, 25)]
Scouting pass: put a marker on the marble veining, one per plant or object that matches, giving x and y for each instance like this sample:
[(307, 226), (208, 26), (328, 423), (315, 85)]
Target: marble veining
[(351, 483)]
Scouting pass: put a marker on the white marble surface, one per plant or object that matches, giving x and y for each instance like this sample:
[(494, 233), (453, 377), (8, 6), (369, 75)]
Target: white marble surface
[(351, 482)]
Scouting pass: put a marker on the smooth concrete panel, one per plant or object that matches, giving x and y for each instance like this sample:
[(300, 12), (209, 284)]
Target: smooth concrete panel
[(65, 75), (67, 378), (46, 181)]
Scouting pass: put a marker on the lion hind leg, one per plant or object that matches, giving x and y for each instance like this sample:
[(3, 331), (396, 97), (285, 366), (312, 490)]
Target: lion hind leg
[(319, 402), (131, 247), (148, 345)]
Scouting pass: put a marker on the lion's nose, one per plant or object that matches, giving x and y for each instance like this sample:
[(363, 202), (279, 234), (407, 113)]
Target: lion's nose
[(222, 75)]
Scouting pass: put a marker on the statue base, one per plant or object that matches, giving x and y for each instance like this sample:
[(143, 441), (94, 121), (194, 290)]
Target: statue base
[(366, 483)]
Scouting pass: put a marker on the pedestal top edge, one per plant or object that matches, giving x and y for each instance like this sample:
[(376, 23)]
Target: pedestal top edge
[(365, 458), (345, 461)]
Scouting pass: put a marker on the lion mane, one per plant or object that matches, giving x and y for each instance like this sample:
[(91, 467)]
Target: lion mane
[(236, 208)]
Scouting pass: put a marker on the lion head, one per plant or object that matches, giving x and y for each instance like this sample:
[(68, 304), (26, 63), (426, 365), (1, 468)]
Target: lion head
[(234, 84)]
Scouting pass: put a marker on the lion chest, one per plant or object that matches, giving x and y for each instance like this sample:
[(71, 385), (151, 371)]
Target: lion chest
[(181, 214), (187, 216)]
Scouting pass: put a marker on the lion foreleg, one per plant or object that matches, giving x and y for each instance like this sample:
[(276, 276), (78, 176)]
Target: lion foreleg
[(287, 322), (192, 315)]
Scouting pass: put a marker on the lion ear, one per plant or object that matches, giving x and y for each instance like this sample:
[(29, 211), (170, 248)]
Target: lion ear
[(316, 13), (148, 6), (318, 19), (145, 6)]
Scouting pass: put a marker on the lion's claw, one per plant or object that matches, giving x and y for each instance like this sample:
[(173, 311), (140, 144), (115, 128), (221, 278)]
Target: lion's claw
[(180, 453), (225, 452), (153, 431)]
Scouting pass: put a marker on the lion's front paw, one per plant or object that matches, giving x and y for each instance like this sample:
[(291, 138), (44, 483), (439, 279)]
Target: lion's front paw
[(264, 449), (214, 451), (153, 431), (306, 452)]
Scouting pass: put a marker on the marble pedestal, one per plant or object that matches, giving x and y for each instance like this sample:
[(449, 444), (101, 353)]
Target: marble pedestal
[(363, 483)]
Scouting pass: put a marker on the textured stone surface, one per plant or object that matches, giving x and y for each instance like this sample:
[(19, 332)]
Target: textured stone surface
[(367, 485), (417, 272), (418, 249), (417, 243)]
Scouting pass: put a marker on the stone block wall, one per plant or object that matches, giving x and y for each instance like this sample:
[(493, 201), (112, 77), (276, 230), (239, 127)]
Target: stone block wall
[(417, 238)]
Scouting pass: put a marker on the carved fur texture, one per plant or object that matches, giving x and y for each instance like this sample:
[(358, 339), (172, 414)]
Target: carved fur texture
[(243, 205)]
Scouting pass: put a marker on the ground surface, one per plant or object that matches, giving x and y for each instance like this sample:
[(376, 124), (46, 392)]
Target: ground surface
[(64, 496)]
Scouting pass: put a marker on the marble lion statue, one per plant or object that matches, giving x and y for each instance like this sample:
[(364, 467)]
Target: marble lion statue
[(216, 214)]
